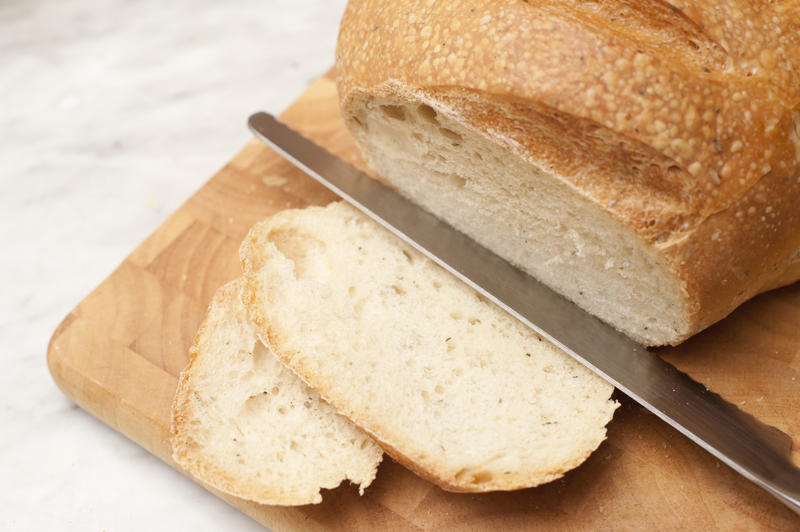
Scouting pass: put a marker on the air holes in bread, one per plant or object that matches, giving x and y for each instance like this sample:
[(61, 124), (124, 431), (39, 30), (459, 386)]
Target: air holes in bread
[(260, 355), (255, 403), (474, 477), (394, 111), (296, 246), (452, 135), (427, 113), (457, 181)]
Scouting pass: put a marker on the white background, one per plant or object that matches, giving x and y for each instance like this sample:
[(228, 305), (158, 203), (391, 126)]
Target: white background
[(112, 113)]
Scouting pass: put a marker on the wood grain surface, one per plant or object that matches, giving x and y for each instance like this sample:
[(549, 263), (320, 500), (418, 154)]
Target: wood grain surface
[(119, 352)]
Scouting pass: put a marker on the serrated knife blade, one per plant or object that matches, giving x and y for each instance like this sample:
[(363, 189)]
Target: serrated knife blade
[(757, 451)]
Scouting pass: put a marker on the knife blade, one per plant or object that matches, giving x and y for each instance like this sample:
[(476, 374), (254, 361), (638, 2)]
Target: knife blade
[(757, 451)]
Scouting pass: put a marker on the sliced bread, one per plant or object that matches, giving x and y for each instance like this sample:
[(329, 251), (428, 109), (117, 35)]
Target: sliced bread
[(246, 425), (449, 385)]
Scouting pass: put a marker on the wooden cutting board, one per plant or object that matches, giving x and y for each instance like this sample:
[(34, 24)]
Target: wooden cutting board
[(119, 352)]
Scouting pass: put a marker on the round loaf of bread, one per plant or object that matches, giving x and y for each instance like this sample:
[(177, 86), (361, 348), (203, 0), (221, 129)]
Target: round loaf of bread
[(641, 158)]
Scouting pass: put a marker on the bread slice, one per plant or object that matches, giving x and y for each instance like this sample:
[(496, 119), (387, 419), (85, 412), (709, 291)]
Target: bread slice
[(247, 426), (448, 384)]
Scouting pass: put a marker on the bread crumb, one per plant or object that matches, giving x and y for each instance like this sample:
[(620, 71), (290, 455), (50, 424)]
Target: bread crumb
[(274, 180)]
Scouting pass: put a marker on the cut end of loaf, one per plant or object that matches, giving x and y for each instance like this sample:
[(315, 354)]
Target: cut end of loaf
[(669, 122), (448, 384), (521, 209), (246, 425)]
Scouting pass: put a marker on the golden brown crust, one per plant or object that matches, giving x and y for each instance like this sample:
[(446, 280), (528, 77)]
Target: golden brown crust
[(680, 119)]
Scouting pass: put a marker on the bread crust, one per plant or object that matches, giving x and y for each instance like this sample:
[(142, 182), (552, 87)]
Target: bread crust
[(680, 120)]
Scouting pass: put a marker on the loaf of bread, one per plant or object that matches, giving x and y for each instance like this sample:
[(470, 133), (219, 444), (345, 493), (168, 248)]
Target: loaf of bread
[(641, 158), (247, 426), (446, 382)]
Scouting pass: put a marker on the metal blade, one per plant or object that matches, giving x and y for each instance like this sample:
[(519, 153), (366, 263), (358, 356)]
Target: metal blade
[(757, 451)]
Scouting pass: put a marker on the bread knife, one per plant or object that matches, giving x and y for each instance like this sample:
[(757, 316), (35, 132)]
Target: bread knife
[(757, 451)]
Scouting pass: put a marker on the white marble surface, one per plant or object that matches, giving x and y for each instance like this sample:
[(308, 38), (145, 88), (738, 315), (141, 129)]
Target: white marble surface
[(111, 113)]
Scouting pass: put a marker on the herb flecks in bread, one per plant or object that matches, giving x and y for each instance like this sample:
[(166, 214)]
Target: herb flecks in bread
[(447, 383)]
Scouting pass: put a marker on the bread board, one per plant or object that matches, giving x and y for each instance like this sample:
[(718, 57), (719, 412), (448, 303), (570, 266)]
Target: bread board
[(119, 352)]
